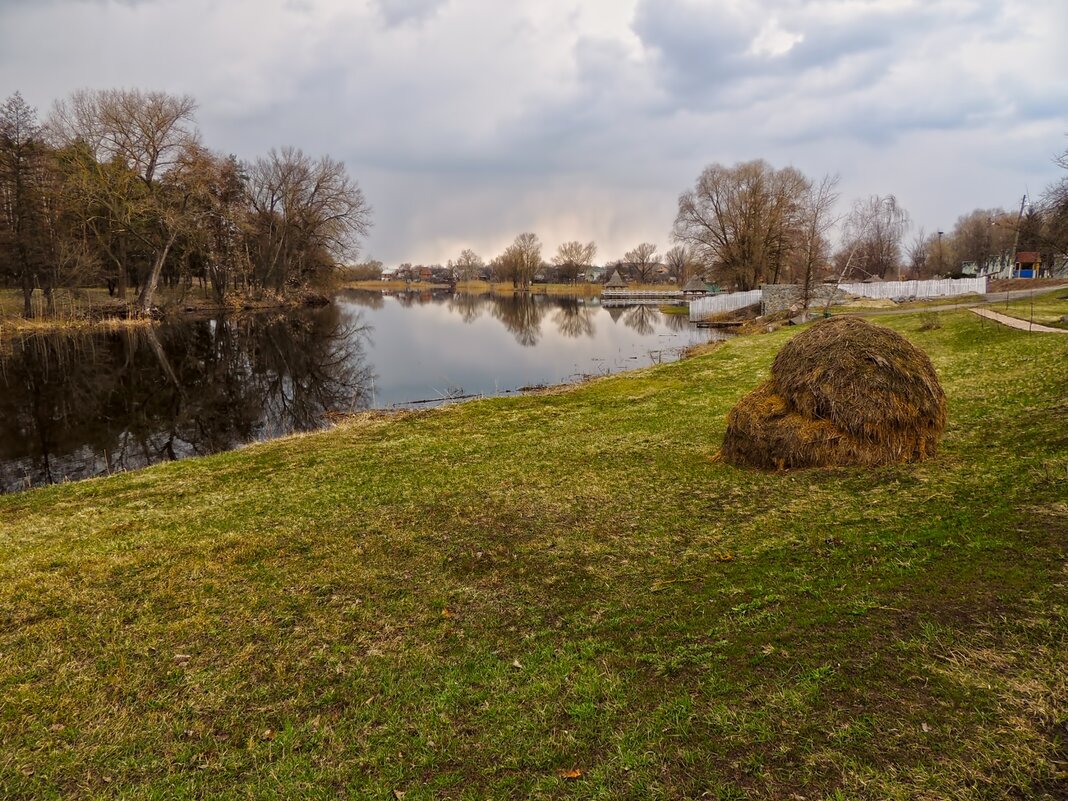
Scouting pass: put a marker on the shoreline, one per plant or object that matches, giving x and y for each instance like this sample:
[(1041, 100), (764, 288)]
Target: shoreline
[(296, 612)]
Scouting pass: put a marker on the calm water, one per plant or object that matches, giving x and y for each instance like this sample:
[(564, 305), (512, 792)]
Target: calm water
[(72, 407)]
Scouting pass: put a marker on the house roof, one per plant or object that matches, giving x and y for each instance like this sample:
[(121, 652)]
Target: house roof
[(616, 281), (1028, 257)]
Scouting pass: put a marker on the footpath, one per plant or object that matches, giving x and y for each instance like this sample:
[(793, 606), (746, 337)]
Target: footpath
[(1015, 322)]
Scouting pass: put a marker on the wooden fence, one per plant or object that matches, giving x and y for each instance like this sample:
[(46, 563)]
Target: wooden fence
[(710, 305), (900, 290)]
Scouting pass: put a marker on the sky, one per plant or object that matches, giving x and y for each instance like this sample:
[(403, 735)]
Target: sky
[(467, 122)]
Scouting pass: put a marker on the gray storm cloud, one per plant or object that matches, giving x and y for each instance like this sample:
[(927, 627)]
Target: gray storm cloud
[(468, 121)]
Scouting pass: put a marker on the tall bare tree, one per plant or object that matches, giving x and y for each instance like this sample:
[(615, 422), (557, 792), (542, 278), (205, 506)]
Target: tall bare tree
[(573, 258), (642, 261), (918, 254), (811, 251), (1055, 207), (520, 261), (144, 134), (871, 242), (468, 266), (306, 215), (743, 219), (681, 263)]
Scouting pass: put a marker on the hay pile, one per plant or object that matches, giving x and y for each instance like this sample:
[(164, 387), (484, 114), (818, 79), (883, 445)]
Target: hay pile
[(844, 392)]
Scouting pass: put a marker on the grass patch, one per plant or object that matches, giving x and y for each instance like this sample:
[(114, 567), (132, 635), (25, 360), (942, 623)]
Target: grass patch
[(1045, 308), (558, 596)]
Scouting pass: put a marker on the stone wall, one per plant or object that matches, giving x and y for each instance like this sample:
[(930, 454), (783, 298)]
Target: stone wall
[(780, 297)]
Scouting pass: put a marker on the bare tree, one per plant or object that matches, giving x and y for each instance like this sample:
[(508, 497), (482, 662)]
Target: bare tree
[(642, 261), (681, 263), (871, 244), (306, 215), (1055, 209), (918, 253), (123, 133), (812, 248), (468, 266), (520, 261), (743, 219), (573, 258)]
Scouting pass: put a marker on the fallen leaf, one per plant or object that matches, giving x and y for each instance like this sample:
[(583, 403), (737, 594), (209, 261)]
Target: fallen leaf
[(925, 727), (446, 613), (571, 774), (517, 664), (726, 557), (398, 794)]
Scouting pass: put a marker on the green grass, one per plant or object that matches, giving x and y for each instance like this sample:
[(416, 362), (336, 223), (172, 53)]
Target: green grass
[(477, 602), (1045, 308)]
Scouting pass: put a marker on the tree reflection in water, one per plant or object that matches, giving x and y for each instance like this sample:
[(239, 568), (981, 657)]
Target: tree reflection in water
[(521, 314), (676, 322), (574, 318), (73, 407), (640, 318), (468, 306)]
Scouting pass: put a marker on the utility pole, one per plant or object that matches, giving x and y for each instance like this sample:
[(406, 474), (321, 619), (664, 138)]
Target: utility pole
[(1016, 238)]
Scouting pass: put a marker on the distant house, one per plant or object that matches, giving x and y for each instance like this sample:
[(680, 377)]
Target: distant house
[(1028, 264), (592, 274), (998, 265)]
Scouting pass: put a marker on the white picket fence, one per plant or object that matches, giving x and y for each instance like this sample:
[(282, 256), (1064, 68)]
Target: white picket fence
[(709, 305), (899, 290)]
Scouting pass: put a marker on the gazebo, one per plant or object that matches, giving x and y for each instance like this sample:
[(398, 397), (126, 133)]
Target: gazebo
[(616, 281), (695, 286)]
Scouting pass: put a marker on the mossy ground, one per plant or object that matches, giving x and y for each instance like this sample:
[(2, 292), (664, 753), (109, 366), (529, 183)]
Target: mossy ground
[(559, 595)]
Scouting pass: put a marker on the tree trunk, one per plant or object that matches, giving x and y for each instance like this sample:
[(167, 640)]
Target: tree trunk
[(148, 291), (122, 269), (27, 294)]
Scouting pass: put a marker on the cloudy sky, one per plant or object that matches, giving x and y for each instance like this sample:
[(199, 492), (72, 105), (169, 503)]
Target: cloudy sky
[(469, 121)]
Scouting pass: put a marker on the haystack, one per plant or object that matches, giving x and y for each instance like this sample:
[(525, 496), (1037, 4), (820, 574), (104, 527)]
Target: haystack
[(844, 392)]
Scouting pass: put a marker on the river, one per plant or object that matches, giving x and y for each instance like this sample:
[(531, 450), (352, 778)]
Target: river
[(74, 406)]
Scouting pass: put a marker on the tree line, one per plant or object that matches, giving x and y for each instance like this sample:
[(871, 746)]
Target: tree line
[(750, 223), (116, 187)]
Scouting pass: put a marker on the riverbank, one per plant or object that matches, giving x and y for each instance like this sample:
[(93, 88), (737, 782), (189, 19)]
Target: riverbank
[(581, 289), (560, 595), (93, 309)]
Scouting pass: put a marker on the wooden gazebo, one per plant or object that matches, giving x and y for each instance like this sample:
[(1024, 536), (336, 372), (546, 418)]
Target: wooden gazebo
[(695, 286), (616, 281)]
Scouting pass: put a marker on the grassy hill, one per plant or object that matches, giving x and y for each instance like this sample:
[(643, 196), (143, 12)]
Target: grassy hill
[(559, 596)]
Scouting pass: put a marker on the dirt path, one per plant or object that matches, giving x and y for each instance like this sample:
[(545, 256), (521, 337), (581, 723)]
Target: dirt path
[(1014, 322)]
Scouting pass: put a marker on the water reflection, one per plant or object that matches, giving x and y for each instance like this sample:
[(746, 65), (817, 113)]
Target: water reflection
[(640, 318), (72, 407), (469, 307), (574, 318), (521, 314), (78, 406)]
